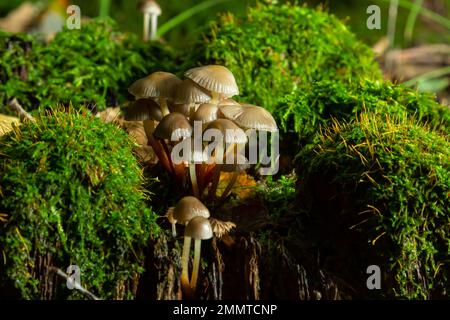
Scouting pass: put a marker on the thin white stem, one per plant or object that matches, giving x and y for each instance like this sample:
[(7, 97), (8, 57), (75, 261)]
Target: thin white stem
[(154, 19), (197, 251), (193, 176), (174, 230), (146, 26)]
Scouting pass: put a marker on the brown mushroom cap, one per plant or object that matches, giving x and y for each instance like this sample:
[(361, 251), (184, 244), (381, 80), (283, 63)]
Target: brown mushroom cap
[(182, 108), (174, 124), (231, 132), (144, 109), (157, 85), (250, 117), (199, 228), (188, 91), (215, 79), (206, 113), (188, 208)]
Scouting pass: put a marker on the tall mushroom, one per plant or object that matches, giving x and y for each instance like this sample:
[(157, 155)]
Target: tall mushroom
[(216, 79), (200, 229), (158, 85), (151, 11), (186, 209)]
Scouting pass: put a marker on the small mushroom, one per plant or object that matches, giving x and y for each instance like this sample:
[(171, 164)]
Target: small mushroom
[(159, 85), (189, 93), (186, 209), (228, 102), (250, 117), (200, 229), (151, 11), (216, 79), (206, 113), (173, 128), (145, 110)]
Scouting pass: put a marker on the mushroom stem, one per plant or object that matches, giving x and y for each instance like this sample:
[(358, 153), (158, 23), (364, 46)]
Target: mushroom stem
[(174, 230), (154, 19), (168, 155), (197, 251), (160, 152), (193, 175), (163, 105), (191, 111), (215, 180), (185, 264), (230, 185), (149, 127), (146, 26), (215, 97)]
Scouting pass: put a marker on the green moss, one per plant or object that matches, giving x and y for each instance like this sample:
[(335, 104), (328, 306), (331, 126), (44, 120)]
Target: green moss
[(377, 191), (303, 111), (276, 48), (92, 66), (72, 193)]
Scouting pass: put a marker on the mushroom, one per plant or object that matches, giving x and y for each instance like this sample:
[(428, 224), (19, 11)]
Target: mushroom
[(186, 209), (250, 117), (234, 136), (145, 110), (159, 85), (200, 229), (206, 113), (173, 127), (189, 93), (151, 11), (228, 102), (216, 79)]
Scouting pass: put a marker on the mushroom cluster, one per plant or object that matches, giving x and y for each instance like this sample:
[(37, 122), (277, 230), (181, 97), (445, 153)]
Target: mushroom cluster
[(170, 109), (189, 211)]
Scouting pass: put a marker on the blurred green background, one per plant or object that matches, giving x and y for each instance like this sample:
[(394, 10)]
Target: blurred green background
[(352, 11)]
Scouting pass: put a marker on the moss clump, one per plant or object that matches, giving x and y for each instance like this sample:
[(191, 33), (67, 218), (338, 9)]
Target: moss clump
[(277, 48), (70, 192), (377, 190), (92, 66), (304, 111)]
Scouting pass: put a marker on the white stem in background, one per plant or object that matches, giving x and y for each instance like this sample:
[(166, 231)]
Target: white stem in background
[(146, 26), (154, 27)]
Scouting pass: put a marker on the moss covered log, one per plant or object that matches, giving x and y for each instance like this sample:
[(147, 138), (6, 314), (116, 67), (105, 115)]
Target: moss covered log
[(71, 194), (376, 191)]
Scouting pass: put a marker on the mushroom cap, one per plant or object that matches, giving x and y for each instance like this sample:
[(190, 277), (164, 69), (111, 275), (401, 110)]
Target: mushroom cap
[(231, 132), (214, 78), (206, 113), (240, 163), (144, 109), (250, 117), (157, 85), (150, 6), (188, 208), (174, 125), (182, 108), (199, 228), (188, 91), (228, 102)]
